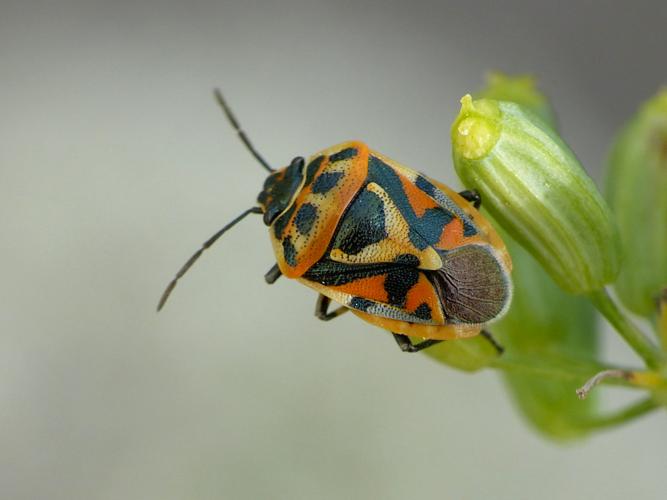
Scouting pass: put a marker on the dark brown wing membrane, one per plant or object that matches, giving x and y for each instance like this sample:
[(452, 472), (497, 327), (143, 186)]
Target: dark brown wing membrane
[(472, 285)]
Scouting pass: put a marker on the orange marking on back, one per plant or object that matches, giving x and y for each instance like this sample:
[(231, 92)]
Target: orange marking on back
[(452, 235), (371, 288), (424, 292), (419, 200)]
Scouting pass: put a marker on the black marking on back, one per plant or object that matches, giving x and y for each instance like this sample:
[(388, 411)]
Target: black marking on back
[(363, 224), (331, 273), (281, 222), (425, 186), (407, 259), (469, 229), (289, 252), (305, 218), (312, 169), (416, 239), (423, 311), (343, 155), (433, 220), (361, 304), (326, 181), (398, 283)]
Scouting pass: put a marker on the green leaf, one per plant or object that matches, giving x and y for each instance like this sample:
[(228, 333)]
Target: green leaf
[(546, 323), (468, 355)]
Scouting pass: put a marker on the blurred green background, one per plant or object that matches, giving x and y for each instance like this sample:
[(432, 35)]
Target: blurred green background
[(115, 164)]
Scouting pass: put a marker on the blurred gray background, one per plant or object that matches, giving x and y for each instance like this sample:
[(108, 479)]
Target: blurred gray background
[(115, 164)]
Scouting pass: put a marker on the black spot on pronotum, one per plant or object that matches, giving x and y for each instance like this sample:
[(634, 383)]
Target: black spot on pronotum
[(398, 283), (423, 311), (305, 218), (289, 252), (343, 155), (312, 169), (326, 181), (360, 303), (363, 224)]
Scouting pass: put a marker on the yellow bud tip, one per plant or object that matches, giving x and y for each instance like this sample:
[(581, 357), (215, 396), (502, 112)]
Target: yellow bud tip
[(475, 132)]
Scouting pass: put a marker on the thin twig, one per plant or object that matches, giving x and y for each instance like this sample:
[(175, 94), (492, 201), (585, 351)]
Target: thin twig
[(583, 391)]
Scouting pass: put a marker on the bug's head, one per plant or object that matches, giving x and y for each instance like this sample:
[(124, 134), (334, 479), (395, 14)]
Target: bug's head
[(280, 189)]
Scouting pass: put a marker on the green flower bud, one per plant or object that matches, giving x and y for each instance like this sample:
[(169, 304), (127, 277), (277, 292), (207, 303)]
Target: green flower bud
[(533, 185), (637, 193), (520, 89), (544, 323)]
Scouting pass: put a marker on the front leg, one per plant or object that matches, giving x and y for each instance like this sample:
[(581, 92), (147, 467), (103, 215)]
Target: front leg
[(322, 308), (273, 274)]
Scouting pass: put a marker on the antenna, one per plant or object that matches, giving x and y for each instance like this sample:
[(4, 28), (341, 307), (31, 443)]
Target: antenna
[(197, 254), (232, 119)]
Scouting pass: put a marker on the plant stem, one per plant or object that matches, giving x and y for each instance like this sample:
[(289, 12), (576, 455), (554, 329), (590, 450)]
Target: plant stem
[(632, 335), (631, 412), (568, 369)]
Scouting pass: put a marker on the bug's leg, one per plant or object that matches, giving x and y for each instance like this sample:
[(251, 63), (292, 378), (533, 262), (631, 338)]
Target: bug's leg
[(322, 307), (406, 345), (496, 345), (472, 196), (273, 274)]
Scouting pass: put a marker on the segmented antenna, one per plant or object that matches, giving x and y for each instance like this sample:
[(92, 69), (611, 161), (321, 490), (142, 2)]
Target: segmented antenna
[(232, 119), (197, 254)]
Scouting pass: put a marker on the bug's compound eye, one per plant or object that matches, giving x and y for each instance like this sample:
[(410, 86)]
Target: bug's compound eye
[(296, 164), (272, 211)]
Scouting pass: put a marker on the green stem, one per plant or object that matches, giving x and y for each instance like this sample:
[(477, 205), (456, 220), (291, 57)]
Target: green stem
[(631, 412), (632, 335)]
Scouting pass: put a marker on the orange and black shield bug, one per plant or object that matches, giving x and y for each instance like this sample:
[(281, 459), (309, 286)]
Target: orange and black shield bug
[(398, 249)]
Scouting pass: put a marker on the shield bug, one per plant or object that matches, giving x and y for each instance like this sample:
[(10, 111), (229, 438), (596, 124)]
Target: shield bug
[(398, 249)]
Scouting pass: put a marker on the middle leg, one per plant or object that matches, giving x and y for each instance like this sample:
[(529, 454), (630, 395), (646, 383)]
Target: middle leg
[(406, 344), (322, 309)]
